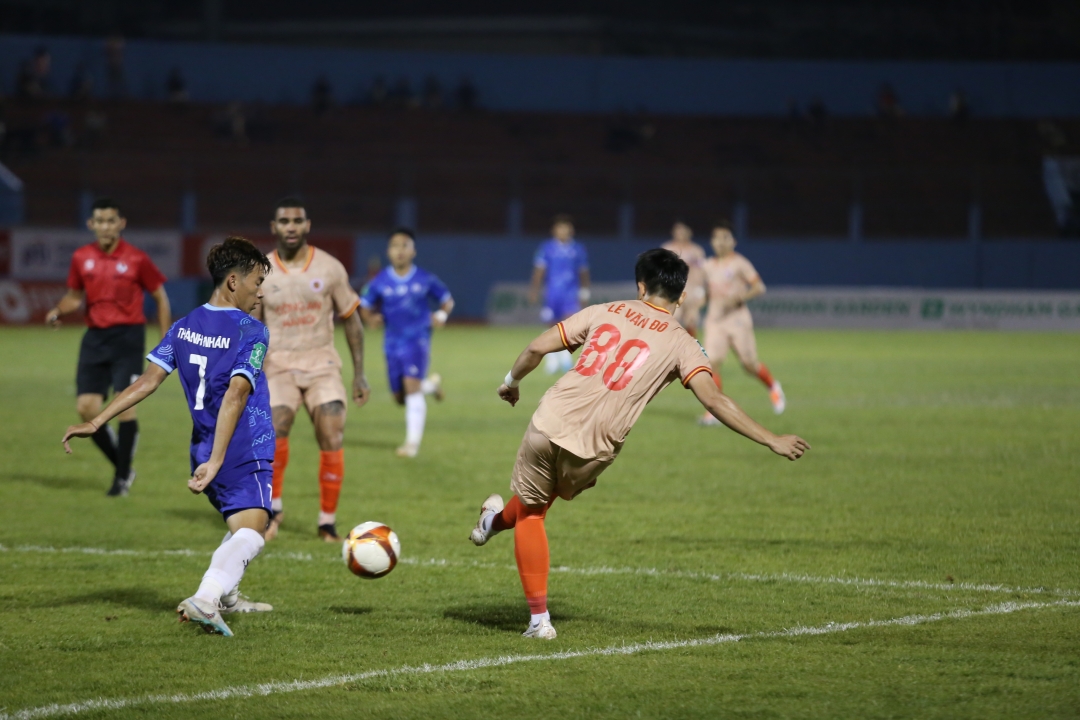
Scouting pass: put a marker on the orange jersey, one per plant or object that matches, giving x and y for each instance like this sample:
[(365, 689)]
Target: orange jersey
[(632, 351), (727, 278), (299, 305)]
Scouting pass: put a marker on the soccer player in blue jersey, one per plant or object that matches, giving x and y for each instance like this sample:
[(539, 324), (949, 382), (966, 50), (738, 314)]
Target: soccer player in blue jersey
[(218, 351), (563, 263), (401, 297)]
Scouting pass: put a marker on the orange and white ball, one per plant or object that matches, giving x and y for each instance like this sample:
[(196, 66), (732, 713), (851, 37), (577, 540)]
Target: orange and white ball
[(371, 550)]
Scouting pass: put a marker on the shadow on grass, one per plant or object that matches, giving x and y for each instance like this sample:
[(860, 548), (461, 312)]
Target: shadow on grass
[(505, 618), (207, 516), (349, 610), (140, 598), (61, 483)]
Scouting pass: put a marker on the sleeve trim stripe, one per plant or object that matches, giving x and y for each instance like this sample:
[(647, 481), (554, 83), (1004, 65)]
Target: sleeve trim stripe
[(695, 371), (351, 310), (160, 363), (245, 373), (562, 335)]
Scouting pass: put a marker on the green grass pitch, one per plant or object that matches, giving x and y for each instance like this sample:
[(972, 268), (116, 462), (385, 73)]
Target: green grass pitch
[(923, 560)]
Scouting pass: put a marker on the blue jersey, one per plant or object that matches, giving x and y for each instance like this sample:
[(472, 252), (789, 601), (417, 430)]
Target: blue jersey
[(208, 347), (405, 302), (562, 263)]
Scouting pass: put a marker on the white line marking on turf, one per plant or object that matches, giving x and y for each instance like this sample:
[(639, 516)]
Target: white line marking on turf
[(273, 688), (651, 572)]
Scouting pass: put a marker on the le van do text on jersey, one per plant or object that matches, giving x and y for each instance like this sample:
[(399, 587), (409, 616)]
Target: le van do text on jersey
[(642, 321)]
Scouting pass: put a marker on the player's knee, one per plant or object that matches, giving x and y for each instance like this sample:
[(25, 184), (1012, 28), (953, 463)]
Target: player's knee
[(128, 415), (282, 418), (751, 366), (330, 426), (88, 406)]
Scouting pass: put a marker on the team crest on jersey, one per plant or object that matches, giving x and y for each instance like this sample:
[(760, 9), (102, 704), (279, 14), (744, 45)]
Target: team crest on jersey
[(121, 267), (89, 264), (257, 354), (317, 285)]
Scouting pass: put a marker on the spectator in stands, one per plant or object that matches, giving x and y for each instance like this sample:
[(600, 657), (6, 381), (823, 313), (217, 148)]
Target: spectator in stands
[(322, 95), (466, 94), (378, 95), (82, 83), (433, 95), (114, 66), (42, 66), (94, 124), (888, 102), (26, 84), (176, 90), (959, 110)]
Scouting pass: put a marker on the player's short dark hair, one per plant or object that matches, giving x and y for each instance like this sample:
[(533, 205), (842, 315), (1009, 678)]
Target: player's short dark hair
[(402, 230), (290, 201), (663, 273), (106, 203), (563, 218), (235, 254), (722, 224)]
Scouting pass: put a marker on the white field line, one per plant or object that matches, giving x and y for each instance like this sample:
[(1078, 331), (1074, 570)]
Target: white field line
[(274, 688), (651, 572)]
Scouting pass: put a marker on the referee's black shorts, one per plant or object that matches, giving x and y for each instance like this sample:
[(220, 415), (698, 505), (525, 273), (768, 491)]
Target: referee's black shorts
[(110, 357)]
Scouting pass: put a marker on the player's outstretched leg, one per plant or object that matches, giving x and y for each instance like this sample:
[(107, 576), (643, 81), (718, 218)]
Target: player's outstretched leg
[(432, 385), (415, 417), (776, 393), (331, 473), (226, 570)]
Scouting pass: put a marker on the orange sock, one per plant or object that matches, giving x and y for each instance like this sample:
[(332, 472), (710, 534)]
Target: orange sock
[(331, 472), (530, 549), (281, 461), (765, 376)]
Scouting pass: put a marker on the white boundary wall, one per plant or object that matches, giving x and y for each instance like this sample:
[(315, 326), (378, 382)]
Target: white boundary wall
[(848, 307)]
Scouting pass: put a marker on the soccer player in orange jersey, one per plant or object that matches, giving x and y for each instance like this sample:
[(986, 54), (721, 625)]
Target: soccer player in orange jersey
[(681, 243), (633, 350), (307, 288), (732, 282)]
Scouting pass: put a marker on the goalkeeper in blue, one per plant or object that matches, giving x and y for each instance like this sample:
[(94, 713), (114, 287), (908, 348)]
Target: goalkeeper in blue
[(218, 351)]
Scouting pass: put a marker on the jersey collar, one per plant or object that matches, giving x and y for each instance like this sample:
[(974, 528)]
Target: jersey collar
[(120, 245), (654, 307), (401, 278), (310, 257)]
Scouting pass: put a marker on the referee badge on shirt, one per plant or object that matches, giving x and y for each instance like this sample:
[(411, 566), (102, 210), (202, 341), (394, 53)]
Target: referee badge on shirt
[(317, 285), (121, 267)]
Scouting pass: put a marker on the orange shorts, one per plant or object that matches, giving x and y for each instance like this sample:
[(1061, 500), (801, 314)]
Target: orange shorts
[(289, 388), (543, 470), (735, 330)]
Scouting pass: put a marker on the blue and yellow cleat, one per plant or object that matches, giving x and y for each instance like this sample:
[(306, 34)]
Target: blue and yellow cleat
[(201, 612)]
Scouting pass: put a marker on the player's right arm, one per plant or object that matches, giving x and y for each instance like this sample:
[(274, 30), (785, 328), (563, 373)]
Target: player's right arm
[(131, 396), (232, 405), (548, 341), (69, 303), (726, 411)]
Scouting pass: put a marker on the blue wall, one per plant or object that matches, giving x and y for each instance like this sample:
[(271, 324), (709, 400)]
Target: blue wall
[(222, 73)]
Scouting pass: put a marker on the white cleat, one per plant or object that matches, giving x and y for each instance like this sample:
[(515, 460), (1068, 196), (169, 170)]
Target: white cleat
[(494, 504), (240, 603), (707, 420), (436, 383), (203, 613), (408, 450), (542, 630), (776, 394)]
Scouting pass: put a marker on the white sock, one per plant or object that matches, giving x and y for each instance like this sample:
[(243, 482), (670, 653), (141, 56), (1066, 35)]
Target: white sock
[(276, 504), (415, 414), (537, 619), (326, 518), (227, 565), (428, 386)]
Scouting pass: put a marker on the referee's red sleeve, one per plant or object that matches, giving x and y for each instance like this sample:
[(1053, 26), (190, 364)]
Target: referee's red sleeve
[(149, 276), (74, 280)]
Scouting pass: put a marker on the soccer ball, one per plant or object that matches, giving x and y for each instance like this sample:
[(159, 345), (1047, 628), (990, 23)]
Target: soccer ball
[(371, 550)]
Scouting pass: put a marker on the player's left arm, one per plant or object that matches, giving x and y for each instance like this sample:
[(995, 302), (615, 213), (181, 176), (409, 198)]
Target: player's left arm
[(354, 335), (131, 396), (728, 412), (754, 284), (232, 405), (438, 292), (164, 309), (549, 341)]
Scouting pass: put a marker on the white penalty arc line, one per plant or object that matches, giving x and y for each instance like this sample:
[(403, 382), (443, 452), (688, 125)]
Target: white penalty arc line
[(274, 688), (650, 572)]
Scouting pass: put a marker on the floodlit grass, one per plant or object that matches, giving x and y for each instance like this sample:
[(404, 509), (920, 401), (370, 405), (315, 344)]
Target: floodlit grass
[(947, 463)]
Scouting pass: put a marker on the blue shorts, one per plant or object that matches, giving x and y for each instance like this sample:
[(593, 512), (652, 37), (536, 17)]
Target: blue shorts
[(559, 307), (241, 488), (406, 358)]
